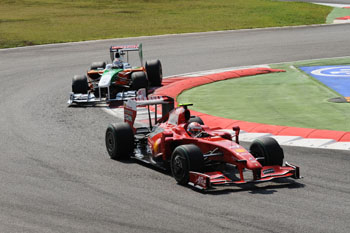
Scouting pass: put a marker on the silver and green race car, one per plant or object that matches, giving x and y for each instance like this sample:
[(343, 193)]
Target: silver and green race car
[(117, 80)]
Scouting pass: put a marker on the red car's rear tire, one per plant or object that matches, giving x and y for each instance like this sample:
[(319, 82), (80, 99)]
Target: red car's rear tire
[(154, 72)]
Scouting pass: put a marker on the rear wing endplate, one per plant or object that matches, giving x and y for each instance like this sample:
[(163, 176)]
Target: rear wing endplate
[(130, 107)]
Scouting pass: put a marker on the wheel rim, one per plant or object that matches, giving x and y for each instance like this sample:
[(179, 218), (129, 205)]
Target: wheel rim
[(178, 168), (110, 142)]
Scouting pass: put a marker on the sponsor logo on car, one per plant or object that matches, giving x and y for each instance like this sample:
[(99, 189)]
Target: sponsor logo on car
[(268, 171), (201, 181)]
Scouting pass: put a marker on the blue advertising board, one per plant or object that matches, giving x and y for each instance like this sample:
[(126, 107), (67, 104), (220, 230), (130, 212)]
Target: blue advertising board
[(335, 77)]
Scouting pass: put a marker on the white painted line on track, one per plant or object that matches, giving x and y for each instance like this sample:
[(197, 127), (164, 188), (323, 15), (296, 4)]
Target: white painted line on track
[(338, 146), (283, 140), (294, 140), (311, 142), (339, 21), (307, 142), (336, 5)]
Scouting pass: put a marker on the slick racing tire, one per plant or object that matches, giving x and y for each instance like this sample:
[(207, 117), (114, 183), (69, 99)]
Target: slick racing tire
[(138, 80), (98, 65), (196, 119), (80, 84), (269, 149), (184, 159), (154, 73), (119, 141)]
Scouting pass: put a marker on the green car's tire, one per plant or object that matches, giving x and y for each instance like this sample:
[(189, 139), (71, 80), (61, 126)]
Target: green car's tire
[(138, 80), (80, 84), (154, 72), (98, 65)]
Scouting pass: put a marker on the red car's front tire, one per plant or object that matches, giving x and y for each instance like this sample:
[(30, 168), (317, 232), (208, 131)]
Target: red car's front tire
[(184, 159), (119, 141)]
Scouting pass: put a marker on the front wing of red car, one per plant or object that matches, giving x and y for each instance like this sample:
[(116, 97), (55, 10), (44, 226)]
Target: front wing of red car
[(207, 180)]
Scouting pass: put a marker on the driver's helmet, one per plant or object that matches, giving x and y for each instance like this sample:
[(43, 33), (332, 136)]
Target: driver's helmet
[(118, 63), (119, 54), (194, 128)]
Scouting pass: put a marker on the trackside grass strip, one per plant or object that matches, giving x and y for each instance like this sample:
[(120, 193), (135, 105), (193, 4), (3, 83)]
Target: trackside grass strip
[(288, 99), (31, 22)]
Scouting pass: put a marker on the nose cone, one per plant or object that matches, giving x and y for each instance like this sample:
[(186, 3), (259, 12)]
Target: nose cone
[(253, 164)]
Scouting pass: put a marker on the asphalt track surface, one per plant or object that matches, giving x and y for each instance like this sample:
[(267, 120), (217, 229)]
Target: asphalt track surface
[(56, 175)]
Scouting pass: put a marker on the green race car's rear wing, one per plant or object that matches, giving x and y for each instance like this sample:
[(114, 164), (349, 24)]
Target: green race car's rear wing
[(126, 49)]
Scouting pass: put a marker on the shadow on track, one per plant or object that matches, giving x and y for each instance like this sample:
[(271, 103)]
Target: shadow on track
[(268, 188), (263, 188), (87, 106)]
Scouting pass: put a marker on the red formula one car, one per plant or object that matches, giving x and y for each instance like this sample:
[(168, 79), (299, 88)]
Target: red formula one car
[(196, 154)]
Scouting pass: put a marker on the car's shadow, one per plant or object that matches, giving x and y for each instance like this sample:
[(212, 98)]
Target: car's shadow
[(87, 106), (114, 104), (264, 188), (270, 187)]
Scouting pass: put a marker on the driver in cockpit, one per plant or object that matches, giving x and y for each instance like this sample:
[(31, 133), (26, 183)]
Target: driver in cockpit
[(118, 59), (196, 130)]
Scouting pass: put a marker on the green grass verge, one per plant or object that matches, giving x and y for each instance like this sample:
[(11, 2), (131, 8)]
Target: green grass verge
[(30, 22), (291, 99)]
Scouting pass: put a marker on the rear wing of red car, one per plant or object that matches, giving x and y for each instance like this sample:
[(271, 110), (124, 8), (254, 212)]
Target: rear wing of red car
[(130, 107)]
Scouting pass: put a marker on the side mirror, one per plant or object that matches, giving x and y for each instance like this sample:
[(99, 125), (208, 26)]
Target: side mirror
[(237, 129)]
